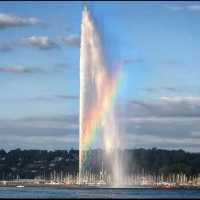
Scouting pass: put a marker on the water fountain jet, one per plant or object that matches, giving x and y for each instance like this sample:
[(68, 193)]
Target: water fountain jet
[(98, 88)]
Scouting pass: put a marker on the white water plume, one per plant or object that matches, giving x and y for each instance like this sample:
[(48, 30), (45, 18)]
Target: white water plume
[(93, 78)]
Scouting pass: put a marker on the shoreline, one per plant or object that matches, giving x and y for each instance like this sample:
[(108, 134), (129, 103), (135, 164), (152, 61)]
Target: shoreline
[(74, 186)]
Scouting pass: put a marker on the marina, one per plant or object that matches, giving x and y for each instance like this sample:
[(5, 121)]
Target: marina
[(172, 181)]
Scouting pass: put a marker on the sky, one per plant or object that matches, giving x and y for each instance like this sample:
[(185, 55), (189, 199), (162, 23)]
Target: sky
[(157, 43)]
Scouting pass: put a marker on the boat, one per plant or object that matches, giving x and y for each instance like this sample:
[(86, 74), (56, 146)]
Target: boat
[(20, 186), (101, 183)]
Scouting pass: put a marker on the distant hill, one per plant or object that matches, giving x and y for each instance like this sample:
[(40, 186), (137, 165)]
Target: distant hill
[(42, 163)]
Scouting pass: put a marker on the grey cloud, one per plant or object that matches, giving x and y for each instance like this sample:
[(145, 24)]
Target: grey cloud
[(39, 142), (66, 120), (51, 132), (170, 62), (20, 69), (165, 128), (127, 61), (60, 67), (6, 47), (175, 7), (40, 42), (168, 106), (194, 7), (72, 40), (52, 126), (54, 97), (12, 20), (150, 90), (154, 123), (171, 90), (67, 123), (168, 122), (73, 97), (42, 98), (39, 132), (141, 141), (28, 69), (162, 89)]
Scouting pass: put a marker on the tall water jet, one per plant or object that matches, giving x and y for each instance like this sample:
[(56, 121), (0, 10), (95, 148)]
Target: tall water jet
[(98, 87)]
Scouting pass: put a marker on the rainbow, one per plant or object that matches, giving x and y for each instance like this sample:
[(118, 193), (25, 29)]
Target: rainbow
[(98, 111)]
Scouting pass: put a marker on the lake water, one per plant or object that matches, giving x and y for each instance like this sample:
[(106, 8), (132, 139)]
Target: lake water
[(49, 192)]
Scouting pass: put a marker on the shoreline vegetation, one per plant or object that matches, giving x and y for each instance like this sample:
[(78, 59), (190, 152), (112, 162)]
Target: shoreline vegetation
[(145, 168)]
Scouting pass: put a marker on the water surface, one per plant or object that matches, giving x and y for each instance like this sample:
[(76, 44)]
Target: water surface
[(49, 192)]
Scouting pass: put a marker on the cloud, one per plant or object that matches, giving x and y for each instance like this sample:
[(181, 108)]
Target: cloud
[(40, 42), (43, 142), (61, 67), (12, 20), (58, 122), (170, 91), (174, 7), (165, 128), (52, 98), (20, 69), (141, 141), (73, 97), (170, 122), (42, 98), (195, 133), (162, 90), (167, 106), (188, 99), (27, 69), (66, 120), (5, 47), (166, 122), (170, 62), (48, 132), (132, 61), (194, 7), (72, 40)]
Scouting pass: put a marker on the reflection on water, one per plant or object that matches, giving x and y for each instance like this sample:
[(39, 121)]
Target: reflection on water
[(47, 192)]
